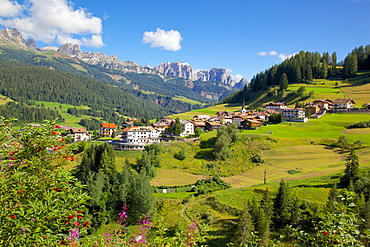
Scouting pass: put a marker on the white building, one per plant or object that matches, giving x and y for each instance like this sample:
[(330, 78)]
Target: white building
[(343, 104), (138, 137), (80, 134), (294, 115), (187, 127)]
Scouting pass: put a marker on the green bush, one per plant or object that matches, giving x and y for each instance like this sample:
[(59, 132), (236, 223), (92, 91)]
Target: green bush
[(40, 203)]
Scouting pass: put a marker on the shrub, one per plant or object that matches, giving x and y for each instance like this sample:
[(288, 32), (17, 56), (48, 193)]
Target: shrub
[(181, 155), (40, 203)]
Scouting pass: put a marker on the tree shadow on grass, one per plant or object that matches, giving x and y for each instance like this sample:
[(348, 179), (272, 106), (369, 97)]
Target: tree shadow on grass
[(205, 155), (337, 150), (210, 143)]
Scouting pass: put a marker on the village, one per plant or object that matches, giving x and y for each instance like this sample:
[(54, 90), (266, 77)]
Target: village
[(131, 137)]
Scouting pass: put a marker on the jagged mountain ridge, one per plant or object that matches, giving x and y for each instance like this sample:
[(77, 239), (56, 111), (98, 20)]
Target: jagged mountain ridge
[(175, 69), (186, 71), (109, 69)]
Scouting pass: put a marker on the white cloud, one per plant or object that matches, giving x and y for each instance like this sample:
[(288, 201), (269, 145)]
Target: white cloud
[(169, 40), (273, 53), (237, 77), (9, 8), (57, 21), (281, 56)]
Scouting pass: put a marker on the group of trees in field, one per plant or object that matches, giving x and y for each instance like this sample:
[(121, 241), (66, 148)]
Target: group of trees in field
[(358, 59), (226, 136), (110, 189)]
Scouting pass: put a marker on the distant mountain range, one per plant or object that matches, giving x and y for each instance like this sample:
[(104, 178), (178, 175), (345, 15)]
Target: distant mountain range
[(164, 90), (175, 69)]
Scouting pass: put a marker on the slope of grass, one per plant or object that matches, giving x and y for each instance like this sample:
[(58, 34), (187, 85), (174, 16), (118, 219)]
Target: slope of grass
[(212, 110), (186, 100)]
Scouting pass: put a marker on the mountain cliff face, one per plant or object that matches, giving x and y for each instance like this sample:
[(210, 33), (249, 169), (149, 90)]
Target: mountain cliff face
[(70, 50), (176, 69), (112, 62), (184, 70), (12, 35)]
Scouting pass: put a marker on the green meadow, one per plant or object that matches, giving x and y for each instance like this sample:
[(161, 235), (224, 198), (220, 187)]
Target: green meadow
[(186, 100)]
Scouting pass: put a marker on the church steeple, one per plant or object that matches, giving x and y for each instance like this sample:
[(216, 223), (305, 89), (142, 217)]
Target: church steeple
[(243, 111)]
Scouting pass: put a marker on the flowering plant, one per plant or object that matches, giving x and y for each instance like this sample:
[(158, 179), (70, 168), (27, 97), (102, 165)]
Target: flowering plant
[(39, 201)]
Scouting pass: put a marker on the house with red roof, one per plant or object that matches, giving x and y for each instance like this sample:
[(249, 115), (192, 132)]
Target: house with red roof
[(107, 129)]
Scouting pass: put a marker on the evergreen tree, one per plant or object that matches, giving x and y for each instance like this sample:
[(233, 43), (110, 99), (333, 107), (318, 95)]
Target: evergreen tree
[(350, 66), (261, 222), (334, 63), (140, 197), (323, 70), (351, 172), (286, 206), (244, 229), (284, 84), (267, 204), (87, 165), (106, 160)]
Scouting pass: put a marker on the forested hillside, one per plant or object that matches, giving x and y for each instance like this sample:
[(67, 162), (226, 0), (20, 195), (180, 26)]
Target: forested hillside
[(23, 82), (303, 68), (162, 90)]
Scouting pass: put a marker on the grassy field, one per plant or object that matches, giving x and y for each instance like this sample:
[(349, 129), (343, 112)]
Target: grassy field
[(186, 100), (295, 147), (208, 111), (170, 177)]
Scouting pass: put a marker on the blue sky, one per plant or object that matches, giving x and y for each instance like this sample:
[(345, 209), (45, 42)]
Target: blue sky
[(244, 36)]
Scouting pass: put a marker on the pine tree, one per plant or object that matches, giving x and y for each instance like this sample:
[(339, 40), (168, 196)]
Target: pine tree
[(350, 66), (334, 63), (261, 222), (87, 164), (284, 84), (267, 204), (244, 229), (285, 206), (106, 159), (140, 196), (351, 172)]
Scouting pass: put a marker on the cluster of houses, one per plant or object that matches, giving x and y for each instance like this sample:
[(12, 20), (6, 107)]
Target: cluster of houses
[(137, 137)]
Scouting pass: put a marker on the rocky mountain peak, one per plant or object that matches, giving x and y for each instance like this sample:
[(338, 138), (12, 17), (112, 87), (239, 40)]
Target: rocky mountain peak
[(31, 44), (184, 70), (175, 69), (12, 35), (70, 50)]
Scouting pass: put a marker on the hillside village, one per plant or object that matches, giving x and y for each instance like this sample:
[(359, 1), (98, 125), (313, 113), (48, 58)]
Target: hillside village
[(132, 137)]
